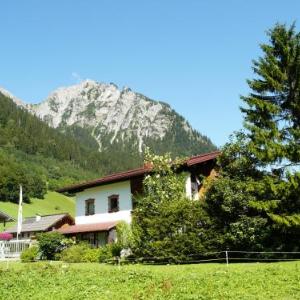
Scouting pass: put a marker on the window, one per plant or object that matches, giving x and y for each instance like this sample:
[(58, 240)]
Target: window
[(113, 203), (95, 239), (89, 207)]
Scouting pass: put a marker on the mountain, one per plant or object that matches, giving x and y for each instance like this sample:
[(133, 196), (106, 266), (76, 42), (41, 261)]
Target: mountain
[(120, 119), (38, 156), (82, 132), (12, 97)]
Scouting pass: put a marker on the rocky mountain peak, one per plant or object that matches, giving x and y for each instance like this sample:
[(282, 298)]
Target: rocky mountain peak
[(114, 116)]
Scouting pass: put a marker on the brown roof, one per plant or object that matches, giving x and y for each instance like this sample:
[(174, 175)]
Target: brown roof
[(202, 158), (31, 224), (122, 176), (105, 226), (107, 179)]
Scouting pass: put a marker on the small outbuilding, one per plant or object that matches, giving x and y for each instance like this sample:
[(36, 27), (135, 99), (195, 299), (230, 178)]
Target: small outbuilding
[(37, 224)]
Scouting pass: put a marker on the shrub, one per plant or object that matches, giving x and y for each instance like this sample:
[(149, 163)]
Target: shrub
[(125, 235), (50, 243), (91, 255), (80, 253), (166, 224), (30, 254), (115, 249), (105, 253), (74, 253)]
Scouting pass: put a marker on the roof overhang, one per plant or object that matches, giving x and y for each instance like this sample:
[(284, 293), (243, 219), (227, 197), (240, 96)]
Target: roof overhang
[(199, 159), (82, 228), (5, 217), (31, 227), (123, 176)]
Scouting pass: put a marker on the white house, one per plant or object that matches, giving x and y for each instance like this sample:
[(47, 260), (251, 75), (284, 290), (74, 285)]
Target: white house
[(102, 203)]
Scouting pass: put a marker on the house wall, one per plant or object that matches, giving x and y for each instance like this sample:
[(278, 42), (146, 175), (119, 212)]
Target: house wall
[(188, 186), (101, 194)]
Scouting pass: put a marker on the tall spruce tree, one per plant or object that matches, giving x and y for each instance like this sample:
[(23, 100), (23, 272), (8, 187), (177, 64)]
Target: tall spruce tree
[(272, 116), (255, 202)]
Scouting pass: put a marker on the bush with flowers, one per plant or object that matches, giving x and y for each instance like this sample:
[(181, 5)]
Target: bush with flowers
[(166, 224)]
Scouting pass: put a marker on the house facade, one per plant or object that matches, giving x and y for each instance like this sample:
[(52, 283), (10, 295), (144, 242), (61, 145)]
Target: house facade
[(102, 203), (108, 203)]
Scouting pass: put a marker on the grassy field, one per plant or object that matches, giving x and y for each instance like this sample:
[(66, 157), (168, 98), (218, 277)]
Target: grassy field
[(44, 280), (52, 204)]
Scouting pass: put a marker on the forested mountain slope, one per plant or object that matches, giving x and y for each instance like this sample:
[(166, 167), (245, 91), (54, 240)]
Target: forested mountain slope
[(38, 156), (83, 132)]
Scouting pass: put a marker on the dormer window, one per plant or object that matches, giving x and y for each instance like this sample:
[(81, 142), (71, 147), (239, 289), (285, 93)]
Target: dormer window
[(89, 207), (113, 203)]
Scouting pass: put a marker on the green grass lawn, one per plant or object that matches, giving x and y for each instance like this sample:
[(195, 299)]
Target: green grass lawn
[(53, 203), (45, 280)]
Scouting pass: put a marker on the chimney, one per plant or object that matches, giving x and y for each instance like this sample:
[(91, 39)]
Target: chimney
[(37, 217)]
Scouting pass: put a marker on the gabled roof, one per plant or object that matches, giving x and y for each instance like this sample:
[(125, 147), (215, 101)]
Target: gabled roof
[(46, 222), (104, 226), (195, 160), (5, 217), (122, 176)]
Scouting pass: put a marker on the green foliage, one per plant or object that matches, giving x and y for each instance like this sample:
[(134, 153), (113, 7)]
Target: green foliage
[(81, 252), (105, 253), (37, 156), (30, 254), (115, 249), (125, 235), (255, 203), (24, 131), (91, 255), (14, 173), (52, 203), (178, 142), (50, 244), (273, 107), (165, 223), (98, 281), (40, 157)]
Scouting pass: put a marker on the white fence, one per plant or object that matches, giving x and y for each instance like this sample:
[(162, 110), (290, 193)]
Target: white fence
[(13, 249)]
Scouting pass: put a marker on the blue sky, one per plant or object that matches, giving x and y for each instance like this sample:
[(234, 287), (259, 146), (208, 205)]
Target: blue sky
[(196, 55)]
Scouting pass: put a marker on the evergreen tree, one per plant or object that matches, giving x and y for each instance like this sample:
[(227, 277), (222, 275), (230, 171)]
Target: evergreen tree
[(272, 115), (255, 202), (272, 118)]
